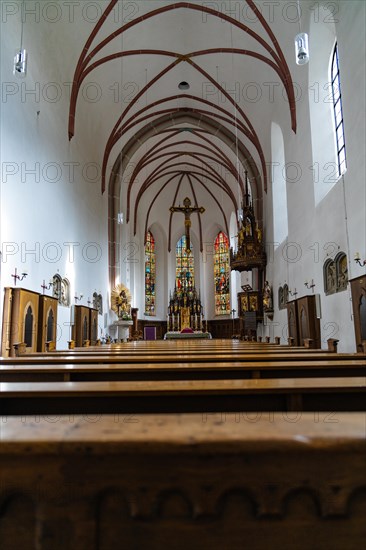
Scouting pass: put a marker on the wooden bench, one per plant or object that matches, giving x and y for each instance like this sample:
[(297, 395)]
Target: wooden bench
[(182, 371), (302, 394), (169, 356), (175, 481)]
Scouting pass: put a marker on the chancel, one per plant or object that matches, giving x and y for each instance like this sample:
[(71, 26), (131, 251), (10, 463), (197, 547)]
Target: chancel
[(190, 188)]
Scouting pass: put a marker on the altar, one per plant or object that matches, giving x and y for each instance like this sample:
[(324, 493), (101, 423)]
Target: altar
[(185, 307), (173, 335)]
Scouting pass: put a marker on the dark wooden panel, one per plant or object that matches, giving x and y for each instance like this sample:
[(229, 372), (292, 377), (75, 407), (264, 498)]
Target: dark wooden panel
[(292, 321), (358, 289)]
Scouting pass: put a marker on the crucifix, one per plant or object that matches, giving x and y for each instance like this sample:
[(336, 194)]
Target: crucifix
[(187, 210)]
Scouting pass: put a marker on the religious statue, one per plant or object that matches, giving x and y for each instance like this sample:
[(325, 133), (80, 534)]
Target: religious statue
[(331, 278), (267, 297), (248, 227), (241, 236), (121, 301), (258, 233), (343, 275), (187, 210)]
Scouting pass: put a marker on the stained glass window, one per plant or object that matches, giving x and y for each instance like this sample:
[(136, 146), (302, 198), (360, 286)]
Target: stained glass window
[(184, 266), (150, 275), (222, 274)]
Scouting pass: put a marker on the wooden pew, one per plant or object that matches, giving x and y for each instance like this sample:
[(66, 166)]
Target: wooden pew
[(149, 355), (182, 371), (302, 394), (175, 481)]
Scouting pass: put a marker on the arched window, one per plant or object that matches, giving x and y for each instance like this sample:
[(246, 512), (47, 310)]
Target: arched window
[(184, 265), (150, 275), (338, 113), (222, 274)]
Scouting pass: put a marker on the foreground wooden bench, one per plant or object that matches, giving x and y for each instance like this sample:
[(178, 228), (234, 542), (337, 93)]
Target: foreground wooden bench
[(184, 481), (308, 394)]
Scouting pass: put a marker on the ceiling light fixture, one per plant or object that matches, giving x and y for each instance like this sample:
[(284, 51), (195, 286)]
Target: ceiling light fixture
[(20, 59), (301, 43), (183, 85)]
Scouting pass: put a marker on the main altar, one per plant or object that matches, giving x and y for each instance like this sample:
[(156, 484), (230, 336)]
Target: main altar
[(185, 308)]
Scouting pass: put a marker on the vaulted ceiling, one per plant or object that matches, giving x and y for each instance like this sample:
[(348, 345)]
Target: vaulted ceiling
[(193, 88)]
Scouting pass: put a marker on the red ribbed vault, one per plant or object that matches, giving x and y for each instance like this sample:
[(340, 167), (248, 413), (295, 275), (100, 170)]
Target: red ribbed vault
[(224, 135)]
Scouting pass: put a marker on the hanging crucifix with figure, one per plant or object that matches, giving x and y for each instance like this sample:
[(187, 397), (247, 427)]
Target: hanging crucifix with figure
[(187, 210)]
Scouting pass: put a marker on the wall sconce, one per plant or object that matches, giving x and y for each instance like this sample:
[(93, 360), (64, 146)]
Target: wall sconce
[(294, 293), (358, 260), (311, 285), (78, 298), (47, 287), (17, 277)]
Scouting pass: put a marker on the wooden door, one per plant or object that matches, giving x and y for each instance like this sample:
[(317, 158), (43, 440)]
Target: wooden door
[(307, 320)]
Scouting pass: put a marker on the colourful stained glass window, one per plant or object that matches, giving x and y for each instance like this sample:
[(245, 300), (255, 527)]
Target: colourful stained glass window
[(222, 274), (184, 266), (150, 275)]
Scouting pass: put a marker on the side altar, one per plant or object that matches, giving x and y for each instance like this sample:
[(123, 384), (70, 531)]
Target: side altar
[(121, 305)]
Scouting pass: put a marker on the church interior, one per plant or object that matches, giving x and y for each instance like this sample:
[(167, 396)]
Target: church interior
[(183, 268)]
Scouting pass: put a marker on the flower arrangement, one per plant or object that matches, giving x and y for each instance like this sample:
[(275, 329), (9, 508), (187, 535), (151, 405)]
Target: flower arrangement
[(126, 317)]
